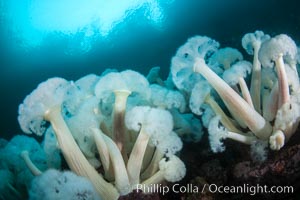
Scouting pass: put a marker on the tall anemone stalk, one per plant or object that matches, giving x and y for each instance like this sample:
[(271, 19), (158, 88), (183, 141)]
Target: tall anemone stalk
[(119, 130), (234, 102)]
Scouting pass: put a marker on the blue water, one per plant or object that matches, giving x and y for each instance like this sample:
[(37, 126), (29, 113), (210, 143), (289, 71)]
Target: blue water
[(139, 42)]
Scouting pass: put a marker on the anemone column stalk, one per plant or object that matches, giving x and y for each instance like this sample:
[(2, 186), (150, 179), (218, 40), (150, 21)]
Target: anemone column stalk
[(234, 102), (74, 157), (119, 130)]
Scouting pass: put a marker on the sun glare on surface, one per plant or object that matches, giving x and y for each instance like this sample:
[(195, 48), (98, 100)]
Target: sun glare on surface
[(34, 21)]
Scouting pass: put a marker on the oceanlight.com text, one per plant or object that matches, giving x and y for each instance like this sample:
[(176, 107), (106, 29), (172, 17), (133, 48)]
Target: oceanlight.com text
[(213, 188), (249, 189)]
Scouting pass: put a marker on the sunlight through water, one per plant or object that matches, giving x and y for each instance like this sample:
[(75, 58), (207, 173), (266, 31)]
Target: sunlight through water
[(34, 22)]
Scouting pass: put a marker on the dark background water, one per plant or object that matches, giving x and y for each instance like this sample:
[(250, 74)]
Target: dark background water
[(137, 46)]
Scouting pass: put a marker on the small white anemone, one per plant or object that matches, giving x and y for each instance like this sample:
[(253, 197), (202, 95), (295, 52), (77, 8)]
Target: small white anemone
[(182, 63), (173, 168), (48, 94), (217, 134)]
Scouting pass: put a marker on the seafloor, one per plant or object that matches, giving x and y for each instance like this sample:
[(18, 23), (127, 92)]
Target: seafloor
[(234, 168)]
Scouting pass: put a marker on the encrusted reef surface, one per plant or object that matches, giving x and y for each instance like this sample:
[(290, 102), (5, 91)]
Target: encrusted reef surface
[(281, 171), (207, 171)]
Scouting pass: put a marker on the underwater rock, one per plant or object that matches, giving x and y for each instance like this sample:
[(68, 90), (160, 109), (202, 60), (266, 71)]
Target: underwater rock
[(282, 170), (139, 195), (285, 164), (205, 194), (214, 172)]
